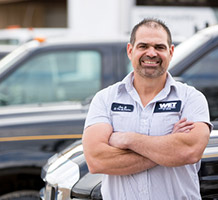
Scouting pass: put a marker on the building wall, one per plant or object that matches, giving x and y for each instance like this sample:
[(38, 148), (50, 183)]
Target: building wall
[(34, 14), (100, 16)]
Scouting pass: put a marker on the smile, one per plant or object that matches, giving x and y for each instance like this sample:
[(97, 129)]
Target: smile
[(149, 62)]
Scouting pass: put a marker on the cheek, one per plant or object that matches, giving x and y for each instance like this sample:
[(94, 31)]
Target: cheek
[(166, 60), (137, 56), (134, 58)]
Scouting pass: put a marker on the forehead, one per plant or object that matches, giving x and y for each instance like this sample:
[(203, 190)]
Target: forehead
[(149, 34)]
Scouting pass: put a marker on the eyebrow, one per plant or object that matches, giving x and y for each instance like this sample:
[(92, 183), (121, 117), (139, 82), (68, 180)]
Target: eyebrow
[(155, 45)]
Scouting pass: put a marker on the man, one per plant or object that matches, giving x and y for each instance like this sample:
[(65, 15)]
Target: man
[(148, 132)]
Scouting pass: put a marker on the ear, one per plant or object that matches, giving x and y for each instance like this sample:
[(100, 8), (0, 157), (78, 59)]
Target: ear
[(171, 50), (129, 50)]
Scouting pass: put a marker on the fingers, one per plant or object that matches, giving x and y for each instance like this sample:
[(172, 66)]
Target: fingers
[(183, 126), (183, 122)]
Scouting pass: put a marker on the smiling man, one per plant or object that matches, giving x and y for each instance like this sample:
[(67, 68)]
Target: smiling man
[(148, 132)]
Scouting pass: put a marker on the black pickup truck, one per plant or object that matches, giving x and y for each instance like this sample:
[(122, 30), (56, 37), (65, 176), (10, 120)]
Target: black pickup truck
[(45, 89), (195, 62)]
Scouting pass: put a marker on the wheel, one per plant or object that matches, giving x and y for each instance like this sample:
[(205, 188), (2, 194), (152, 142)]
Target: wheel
[(21, 195)]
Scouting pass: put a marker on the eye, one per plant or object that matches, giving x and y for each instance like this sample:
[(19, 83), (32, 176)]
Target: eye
[(142, 46), (160, 47)]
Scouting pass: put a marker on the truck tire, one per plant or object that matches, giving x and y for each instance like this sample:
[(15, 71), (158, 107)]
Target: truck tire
[(21, 195)]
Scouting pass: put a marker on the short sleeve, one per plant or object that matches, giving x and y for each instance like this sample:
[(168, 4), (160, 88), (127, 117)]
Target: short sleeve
[(98, 110), (195, 108)]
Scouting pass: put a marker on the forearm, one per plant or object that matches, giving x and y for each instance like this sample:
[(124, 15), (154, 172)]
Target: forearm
[(173, 149), (166, 150), (114, 161), (169, 150), (103, 158)]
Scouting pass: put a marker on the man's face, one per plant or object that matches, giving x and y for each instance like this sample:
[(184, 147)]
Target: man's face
[(151, 54)]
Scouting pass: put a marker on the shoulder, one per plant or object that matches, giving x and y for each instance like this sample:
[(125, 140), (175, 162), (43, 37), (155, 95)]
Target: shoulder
[(187, 91), (183, 90), (190, 94)]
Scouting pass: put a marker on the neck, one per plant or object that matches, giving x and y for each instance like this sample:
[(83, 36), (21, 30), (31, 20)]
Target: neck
[(148, 88)]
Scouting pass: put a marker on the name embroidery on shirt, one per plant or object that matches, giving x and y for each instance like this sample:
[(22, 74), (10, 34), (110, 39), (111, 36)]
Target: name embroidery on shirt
[(118, 107), (168, 106)]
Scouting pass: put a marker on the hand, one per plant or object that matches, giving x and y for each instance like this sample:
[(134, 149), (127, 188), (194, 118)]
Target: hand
[(183, 126), (119, 139)]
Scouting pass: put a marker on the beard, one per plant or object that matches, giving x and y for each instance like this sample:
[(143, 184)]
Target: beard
[(150, 71)]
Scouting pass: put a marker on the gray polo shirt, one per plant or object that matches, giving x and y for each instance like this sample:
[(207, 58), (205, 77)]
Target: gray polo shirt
[(120, 106)]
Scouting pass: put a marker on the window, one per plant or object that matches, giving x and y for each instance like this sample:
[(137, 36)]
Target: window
[(53, 77), (203, 74)]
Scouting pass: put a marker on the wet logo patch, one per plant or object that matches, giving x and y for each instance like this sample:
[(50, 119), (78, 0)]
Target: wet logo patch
[(118, 107), (167, 106)]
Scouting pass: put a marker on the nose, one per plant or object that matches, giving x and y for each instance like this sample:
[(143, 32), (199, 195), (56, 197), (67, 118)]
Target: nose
[(151, 52)]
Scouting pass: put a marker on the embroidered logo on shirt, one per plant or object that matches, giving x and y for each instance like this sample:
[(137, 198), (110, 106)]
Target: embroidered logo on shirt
[(118, 107), (167, 106)]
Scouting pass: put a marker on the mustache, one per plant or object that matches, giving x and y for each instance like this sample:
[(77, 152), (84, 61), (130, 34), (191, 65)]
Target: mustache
[(147, 58)]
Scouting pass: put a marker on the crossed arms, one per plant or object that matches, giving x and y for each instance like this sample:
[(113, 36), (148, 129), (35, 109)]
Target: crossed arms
[(118, 153)]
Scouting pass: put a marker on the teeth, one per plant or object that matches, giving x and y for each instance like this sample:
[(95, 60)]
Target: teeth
[(149, 62)]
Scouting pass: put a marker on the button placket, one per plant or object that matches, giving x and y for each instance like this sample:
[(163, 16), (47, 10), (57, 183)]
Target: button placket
[(143, 187), (145, 120)]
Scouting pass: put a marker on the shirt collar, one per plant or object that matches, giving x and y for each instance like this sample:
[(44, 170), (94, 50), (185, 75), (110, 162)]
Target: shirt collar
[(170, 82), (169, 86), (127, 84)]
